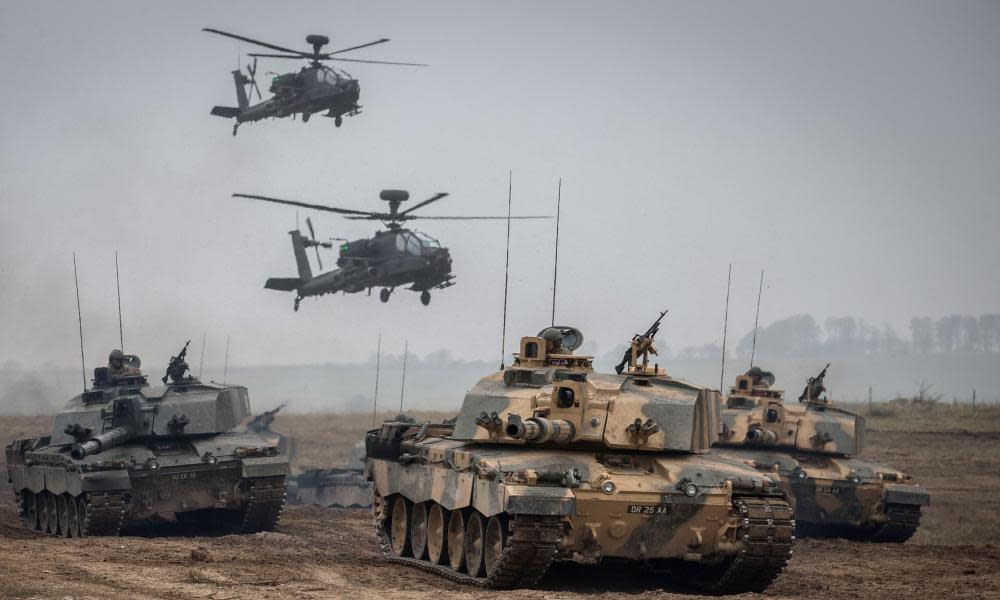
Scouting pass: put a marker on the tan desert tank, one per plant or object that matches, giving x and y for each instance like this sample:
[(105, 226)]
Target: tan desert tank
[(813, 446), (549, 460)]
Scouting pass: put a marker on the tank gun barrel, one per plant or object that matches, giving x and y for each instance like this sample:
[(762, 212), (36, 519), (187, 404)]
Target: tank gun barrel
[(539, 430), (761, 437), (108, 439)]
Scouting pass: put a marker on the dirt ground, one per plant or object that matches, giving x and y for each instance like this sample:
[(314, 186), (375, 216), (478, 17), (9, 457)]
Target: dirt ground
[(321, 553)]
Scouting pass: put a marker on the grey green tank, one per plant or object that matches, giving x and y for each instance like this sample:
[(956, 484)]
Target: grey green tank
[(813, 447), (549, 460), (127, 453)]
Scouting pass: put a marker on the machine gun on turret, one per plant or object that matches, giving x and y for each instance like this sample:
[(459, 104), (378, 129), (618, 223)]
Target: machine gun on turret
[(178, 366), (262, 422), (641, 346), (814, 387)]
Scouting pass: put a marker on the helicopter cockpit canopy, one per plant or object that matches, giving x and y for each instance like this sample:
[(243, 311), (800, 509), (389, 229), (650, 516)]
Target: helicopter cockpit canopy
[(329, 75), (426, 240), (415, 242)]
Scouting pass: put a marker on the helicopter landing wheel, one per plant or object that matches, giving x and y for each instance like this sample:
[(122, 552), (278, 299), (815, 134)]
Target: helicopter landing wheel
[(425, 297), (296, 307), (337, 122), (235, 128), (305, 117), (384, 294)]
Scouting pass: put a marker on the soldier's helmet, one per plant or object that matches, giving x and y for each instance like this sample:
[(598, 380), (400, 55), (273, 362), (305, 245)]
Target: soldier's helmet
[(116, 355), (761, 377)]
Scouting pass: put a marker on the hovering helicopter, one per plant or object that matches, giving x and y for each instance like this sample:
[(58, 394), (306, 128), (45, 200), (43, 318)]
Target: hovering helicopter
[(392, 258), (315, 88)]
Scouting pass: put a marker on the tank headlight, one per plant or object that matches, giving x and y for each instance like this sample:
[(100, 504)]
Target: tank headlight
[(152, 465), (608, 487), (855, 478), (799, 473), (210, 458), (690, 490)]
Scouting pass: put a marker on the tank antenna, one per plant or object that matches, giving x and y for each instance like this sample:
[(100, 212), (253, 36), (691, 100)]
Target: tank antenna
[(225, 365), (555, 266), (378, 367), (506, 272), (402, 386), (118, 285), (201, 361), (725, 327), (79, 320), (753, 348)]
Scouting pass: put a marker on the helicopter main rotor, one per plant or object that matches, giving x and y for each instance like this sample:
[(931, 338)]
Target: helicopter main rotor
[(316, 57), (392, 219)]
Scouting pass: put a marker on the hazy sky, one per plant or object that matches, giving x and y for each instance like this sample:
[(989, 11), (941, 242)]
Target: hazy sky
[(849, 148)]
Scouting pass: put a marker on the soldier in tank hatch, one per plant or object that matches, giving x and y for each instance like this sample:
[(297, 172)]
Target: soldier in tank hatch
[(118, 368)]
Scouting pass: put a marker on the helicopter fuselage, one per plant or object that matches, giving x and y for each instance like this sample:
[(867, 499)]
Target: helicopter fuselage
[(314, 89)]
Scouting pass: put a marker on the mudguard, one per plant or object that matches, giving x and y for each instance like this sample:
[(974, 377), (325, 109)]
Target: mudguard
[(897, 493)]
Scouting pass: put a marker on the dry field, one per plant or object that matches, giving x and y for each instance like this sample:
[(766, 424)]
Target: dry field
[(318, 553)]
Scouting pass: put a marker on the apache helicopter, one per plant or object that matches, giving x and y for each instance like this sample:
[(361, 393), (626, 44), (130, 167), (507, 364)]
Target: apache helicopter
[(392, 258), (315, 88)]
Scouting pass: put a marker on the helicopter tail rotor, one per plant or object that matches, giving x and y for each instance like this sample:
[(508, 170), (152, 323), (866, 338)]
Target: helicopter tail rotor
[(315, 243), (252, 70)]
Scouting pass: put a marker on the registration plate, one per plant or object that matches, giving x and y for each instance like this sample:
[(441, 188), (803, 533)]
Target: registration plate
[(648, 509)]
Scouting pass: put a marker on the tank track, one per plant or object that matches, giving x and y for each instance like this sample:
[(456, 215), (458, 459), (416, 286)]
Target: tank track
[(903, 522), (105, 513), (767, 530), (266, 499), (531, 546)]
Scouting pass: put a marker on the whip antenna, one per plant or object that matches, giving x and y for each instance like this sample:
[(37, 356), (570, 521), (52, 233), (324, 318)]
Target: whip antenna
[(378, 367), (555, 267), (753, 348), (225, 365), (402, 386), (725, 327), (201, 361), (79, 320), (118, 285), (506, 272)]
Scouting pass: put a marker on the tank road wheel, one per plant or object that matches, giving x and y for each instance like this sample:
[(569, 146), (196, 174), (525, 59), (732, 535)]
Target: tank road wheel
[(399, 526), (81, 514), (31, 508), (456, 540), (493, 544), (72, 518), (418, 530), (475, 535), (437, 523), (62, 513), (51, 514)]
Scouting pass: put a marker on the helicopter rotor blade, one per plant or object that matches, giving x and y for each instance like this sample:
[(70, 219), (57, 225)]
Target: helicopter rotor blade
[(252, 41), (343, 211), (433, 198), (379, 62), (342, 50), (297, 56), (477, 218)]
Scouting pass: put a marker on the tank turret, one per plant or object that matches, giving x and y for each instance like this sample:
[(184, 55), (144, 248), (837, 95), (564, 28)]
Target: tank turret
[(549, 459), (811, 445), (124, 441), (755, 414)]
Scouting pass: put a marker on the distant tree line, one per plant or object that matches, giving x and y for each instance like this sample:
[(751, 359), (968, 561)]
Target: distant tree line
[(801, 335)]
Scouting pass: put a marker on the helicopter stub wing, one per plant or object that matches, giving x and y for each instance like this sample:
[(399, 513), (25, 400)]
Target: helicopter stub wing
[(284, 284)]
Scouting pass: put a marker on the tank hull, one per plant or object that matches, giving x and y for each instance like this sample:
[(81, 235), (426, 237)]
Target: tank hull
[(331, 488), (731, 533), (232, 479), (835, 496)]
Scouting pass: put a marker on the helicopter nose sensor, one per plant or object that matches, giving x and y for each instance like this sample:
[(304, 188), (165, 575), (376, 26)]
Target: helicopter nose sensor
[(394, 195)]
